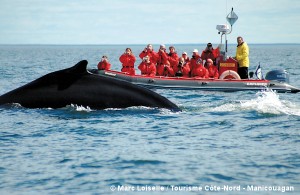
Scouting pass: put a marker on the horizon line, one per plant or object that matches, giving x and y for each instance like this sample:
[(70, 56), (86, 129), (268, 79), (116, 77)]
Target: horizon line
[(102, 44)]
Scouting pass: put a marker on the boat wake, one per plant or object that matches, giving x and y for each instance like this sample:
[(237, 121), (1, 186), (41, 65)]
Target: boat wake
[(266, 102)]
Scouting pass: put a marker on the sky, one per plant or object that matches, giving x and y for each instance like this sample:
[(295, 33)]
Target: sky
[(143, 22)]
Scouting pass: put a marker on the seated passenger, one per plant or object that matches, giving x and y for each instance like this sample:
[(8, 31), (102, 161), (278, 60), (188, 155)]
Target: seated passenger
[(212, 69), (128, 59), (199, 70), (196, 58), (104, 64), (185, 57), (182, 69), (210, 53), (147, 67), (148, 51), (163, 67)]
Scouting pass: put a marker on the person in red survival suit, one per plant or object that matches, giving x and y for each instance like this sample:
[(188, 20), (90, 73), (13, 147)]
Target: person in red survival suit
[(210, 53), (199, 70), (163, 65), (185, 57), (196, 58), (212, 69), (148, 51), (147, 67), (104, 64), (183, 68), (128, 59), (173, 58)]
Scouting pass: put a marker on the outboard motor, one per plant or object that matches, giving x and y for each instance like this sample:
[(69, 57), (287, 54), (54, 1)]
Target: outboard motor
[(278, 75)]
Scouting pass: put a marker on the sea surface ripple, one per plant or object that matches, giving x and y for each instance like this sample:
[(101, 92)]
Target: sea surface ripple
[(236, 139)]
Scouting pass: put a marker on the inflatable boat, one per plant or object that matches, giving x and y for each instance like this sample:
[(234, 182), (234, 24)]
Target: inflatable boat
[(277, 80), (229, 80)]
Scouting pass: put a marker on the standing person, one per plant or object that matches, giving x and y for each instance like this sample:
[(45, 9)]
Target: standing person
[(163, 65), (212, 69), (242, 56), (128, 59), (148, 51), (196, 59), (210, 53), (104, 64), (147, 67), (173, 59)]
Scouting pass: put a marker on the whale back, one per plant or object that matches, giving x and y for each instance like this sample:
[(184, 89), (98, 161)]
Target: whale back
[(76, 85)]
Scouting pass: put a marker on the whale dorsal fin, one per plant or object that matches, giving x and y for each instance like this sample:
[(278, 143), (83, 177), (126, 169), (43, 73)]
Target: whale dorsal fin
[(79, 68), (62, 78), (68, 76)]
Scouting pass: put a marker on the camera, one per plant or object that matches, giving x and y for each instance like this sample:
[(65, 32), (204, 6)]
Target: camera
[(165, 67), (145, 59)]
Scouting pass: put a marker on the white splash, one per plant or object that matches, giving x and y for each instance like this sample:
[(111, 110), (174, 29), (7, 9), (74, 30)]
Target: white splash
[(81, 108), (266, 102)]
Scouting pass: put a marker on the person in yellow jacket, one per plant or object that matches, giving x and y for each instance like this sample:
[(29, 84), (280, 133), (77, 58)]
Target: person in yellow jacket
[(242, 56)]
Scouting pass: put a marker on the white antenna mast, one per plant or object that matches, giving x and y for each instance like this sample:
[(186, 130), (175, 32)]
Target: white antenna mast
[(224, 30)]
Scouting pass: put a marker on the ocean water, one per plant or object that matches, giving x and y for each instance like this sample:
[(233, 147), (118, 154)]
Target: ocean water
[(234, 143)]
